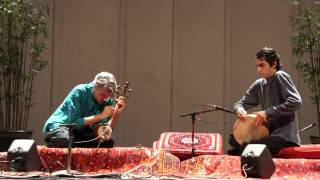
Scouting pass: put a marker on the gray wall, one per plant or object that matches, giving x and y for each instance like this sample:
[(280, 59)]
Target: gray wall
[(178, 55)]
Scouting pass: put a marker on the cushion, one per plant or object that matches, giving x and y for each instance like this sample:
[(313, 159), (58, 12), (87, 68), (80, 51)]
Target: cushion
[(307, 151), (155, 145), (180, 143)]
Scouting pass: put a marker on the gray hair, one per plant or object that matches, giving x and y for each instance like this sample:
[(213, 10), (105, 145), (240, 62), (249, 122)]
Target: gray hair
[(105, 80)]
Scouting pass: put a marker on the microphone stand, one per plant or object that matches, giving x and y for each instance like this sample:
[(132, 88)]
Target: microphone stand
[(68, 172), (193, 116)]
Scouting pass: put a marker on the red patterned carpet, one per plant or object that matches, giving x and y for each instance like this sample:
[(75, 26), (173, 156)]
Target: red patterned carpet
[(148, 163)]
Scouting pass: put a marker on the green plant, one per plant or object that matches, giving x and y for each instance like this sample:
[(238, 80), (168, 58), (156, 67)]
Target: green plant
[(306, 45), (23, 30)]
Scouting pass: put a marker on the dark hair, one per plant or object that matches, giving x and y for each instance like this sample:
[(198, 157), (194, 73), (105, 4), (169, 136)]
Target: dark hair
[(270, 56)]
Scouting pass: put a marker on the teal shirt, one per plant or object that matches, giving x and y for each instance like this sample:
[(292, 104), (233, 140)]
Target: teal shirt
[(79, 103)]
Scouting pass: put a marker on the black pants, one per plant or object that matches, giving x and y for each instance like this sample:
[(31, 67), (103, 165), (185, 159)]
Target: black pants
[(274, 144), (59, 139)]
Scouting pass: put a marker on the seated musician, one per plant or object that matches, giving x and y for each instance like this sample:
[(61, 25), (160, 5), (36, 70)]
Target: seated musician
[(279, 99), (87, 104)]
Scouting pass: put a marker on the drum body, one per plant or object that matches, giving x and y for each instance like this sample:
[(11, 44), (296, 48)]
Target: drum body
[(245, 130)]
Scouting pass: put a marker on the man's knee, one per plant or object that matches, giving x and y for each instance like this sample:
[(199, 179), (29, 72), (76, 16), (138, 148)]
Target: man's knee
[(58, 138), (233, 142), (108, 144)]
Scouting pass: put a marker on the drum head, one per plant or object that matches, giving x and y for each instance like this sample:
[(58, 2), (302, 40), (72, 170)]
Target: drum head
[(105, 132)]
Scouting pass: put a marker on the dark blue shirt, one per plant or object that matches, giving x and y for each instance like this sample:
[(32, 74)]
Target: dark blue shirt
[(279, 98)]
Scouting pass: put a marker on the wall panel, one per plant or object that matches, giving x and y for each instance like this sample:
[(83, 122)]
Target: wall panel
[(178, 55)]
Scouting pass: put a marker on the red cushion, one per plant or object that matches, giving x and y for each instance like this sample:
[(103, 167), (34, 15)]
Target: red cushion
[(308, 151), (180, 143), (155, 145)]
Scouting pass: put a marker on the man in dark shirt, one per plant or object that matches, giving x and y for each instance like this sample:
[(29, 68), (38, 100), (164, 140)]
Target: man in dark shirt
[(279, 100)]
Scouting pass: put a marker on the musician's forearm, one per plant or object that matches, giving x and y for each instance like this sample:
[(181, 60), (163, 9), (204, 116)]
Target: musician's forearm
[(92, 119), (114, 120)]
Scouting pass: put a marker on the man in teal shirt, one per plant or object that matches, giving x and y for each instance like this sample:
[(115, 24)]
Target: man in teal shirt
[(85, 107)]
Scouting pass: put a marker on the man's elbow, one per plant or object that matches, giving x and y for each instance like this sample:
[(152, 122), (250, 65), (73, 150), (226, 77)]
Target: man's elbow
[(295, 101), (297, 104)]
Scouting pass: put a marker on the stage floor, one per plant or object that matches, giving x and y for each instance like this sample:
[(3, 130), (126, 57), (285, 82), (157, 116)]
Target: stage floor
[(146, 163)]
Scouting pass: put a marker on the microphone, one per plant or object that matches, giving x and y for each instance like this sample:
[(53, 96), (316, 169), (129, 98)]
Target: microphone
[(220, 108), (215, 107)]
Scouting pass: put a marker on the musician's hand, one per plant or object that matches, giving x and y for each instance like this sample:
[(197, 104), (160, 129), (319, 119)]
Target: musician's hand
[(241, 112), (107, 111), (261, 117), (121, 104)]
